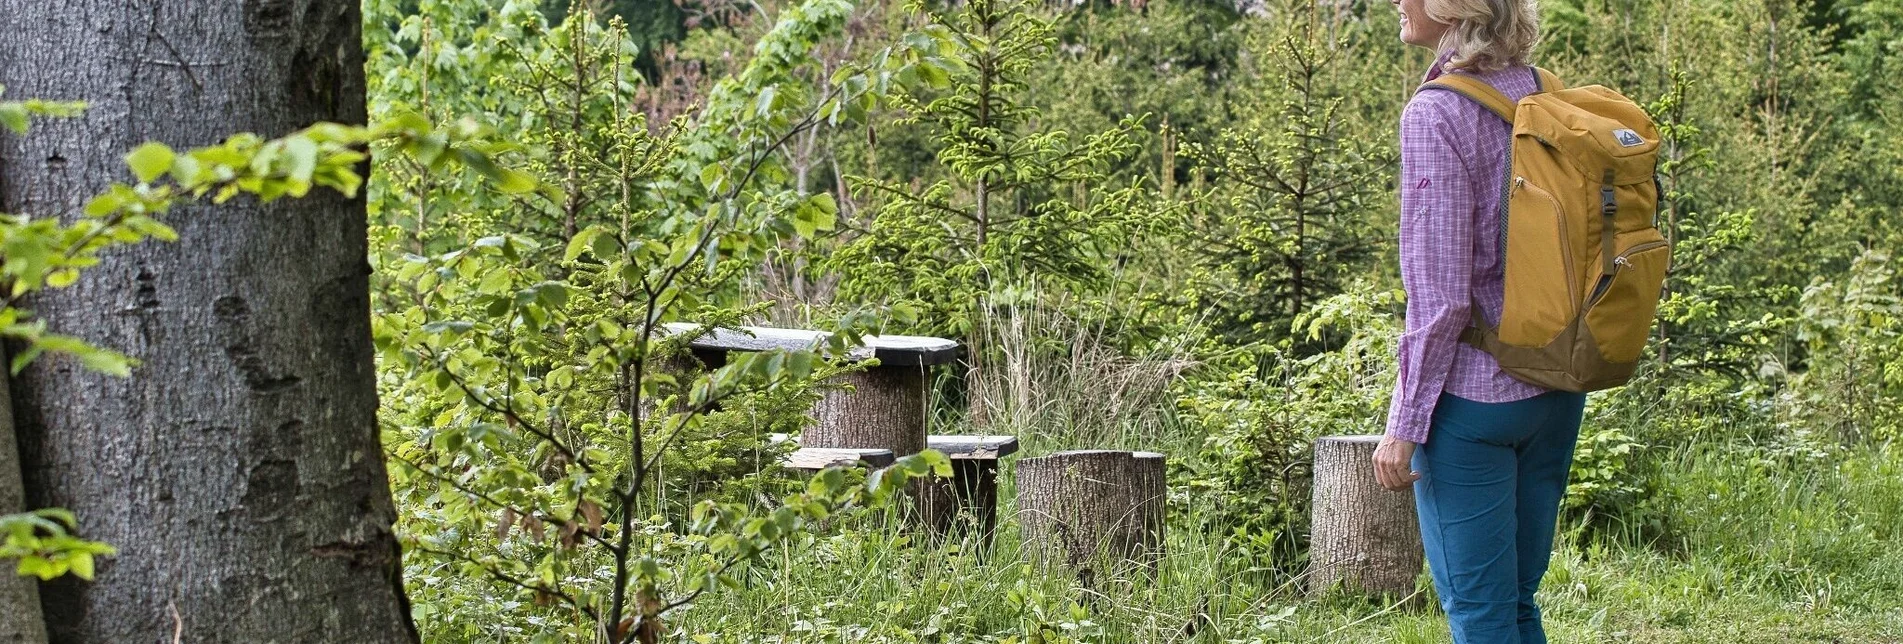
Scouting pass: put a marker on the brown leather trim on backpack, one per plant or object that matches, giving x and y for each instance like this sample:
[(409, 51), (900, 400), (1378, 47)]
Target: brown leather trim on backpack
[(1573, 346)]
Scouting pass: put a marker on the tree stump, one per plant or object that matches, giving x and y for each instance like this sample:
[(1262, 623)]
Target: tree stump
[(1093, 508), (884, 409), (1364, 537)]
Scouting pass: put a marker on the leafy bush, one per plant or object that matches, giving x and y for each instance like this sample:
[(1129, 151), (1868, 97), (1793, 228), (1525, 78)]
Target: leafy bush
[(1261, 408), (1852, 384)]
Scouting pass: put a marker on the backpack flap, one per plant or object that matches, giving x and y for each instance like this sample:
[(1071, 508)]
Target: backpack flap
[(1594, 129)]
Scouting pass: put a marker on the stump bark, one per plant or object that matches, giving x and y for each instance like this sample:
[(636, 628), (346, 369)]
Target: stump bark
[(1092, 508), (1364, 538), (884, 409)]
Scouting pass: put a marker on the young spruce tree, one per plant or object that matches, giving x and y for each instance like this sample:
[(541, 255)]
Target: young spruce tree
[(1290, 217), (1021, 207)]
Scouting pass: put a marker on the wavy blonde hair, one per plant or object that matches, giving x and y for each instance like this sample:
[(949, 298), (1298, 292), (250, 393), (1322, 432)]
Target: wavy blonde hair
[(1487, 35)]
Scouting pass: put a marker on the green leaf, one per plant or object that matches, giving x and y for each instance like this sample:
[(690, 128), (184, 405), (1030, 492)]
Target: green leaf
[(25, 357), (13, 117), (515, 181), (38, 567), (301, 153), (81, 564), (107, 362), (150, 160), (104, 204), (582, 241)]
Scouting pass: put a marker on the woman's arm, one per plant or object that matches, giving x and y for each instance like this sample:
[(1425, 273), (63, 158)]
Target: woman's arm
[(1437, 203)]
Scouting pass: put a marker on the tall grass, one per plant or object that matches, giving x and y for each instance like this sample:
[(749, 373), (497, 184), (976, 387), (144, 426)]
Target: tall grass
[(1768, 552)]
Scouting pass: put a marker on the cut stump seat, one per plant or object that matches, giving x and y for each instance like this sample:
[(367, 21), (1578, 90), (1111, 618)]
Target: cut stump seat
[(1092, 509), (1364, 538), (891, 350), (885, 408), (974, 483)]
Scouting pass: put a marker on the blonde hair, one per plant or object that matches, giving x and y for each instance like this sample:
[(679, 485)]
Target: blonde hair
[(1487, 35)]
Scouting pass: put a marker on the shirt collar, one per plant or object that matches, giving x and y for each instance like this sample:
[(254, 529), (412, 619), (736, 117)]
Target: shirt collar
[(1440, 65)]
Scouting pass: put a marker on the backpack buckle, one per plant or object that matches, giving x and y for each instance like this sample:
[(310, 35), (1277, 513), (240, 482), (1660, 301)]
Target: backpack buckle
[(1608, 204)]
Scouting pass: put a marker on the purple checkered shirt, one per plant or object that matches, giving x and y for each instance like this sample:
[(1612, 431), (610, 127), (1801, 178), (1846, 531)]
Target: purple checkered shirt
[(1453, 172)]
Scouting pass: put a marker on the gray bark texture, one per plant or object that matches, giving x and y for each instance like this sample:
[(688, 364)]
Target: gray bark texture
[(1363, 537), (884, 410), (20, 620), (1092, 508), (238, 470)]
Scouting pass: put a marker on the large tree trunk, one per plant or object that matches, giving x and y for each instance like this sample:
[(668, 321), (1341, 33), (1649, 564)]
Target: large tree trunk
[(20, 621), (1363, 537), (238, 470)]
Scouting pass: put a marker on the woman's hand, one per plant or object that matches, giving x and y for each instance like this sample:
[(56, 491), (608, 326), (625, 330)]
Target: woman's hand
[(1393, 467)]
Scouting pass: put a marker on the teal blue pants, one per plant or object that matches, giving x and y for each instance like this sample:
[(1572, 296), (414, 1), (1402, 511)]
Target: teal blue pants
[(1492, 475)]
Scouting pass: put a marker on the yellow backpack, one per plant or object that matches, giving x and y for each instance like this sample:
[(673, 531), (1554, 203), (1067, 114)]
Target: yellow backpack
[(1585, 262)]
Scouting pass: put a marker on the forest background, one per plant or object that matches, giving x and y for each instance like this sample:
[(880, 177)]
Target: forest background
[(1164, 225)]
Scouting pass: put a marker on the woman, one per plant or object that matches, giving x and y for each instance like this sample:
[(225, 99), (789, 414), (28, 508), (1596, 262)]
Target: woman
[(1487, 454)]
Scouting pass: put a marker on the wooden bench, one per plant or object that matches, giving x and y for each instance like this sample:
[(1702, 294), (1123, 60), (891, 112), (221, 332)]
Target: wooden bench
[(973, 487), (885, 410)]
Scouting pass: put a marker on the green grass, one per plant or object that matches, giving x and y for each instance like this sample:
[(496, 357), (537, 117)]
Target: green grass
[(1760, 549)]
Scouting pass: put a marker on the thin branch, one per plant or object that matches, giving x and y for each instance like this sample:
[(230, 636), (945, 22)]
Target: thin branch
[(510, 414), (505, 578)]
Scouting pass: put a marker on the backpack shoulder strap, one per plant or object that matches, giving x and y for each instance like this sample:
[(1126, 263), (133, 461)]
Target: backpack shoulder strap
[(1477, 90), (1547, 81)]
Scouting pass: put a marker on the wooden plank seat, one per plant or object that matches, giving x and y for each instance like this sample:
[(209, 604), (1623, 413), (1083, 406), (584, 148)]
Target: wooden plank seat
[(973, 448), (819, 458), (891, 350), (957, 447), (974, 483), (882, 406)]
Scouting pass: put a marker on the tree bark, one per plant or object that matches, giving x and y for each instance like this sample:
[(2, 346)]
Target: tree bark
[(1091, 509), (238, 470), (884, 410), (1363, 537), (20, 620)]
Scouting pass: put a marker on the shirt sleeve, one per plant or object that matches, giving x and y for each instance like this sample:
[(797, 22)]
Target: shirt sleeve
[(1436, 230)]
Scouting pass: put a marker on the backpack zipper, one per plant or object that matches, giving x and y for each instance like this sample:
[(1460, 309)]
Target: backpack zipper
[(1605, 281)]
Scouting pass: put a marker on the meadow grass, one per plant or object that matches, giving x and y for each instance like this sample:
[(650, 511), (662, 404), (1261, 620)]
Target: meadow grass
[(1760, 549)]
